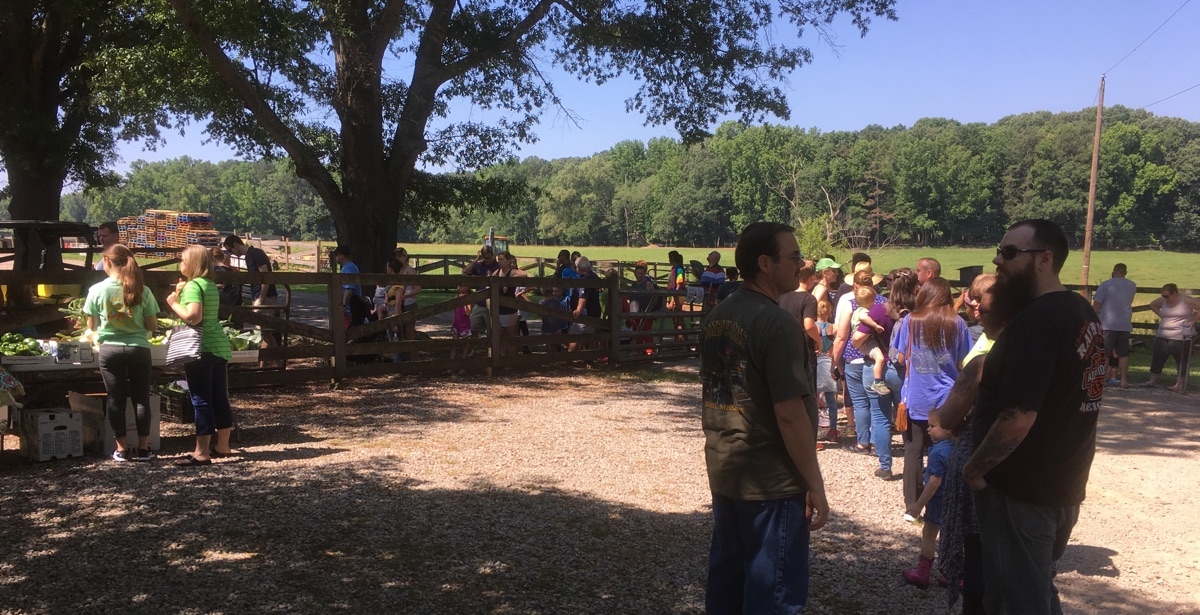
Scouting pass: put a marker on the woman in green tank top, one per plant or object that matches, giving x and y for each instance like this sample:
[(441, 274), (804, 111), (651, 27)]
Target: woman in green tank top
[(196, 301)]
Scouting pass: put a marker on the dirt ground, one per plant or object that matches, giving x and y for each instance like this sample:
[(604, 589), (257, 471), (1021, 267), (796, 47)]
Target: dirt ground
[(576, 491)]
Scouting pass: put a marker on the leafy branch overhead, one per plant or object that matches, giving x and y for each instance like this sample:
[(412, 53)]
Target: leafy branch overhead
[(359, 93)]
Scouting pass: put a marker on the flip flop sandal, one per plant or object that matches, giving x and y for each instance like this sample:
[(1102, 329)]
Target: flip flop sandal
[(189, 461)]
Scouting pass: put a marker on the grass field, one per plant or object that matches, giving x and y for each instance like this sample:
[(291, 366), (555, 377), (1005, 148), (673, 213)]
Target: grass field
[(1148, 267)]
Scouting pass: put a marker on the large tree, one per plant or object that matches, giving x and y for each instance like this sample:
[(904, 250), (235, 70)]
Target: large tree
[(360, 93), (61, 108)]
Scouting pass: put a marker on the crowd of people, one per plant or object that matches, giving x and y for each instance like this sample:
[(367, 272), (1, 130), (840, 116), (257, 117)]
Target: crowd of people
[(997, 407)]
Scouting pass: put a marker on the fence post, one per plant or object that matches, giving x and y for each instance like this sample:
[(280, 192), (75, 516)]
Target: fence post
[(493, 323), (614, 320), (337, 327)]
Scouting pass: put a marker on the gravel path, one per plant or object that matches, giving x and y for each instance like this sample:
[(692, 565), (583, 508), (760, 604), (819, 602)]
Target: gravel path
[(574, 492)]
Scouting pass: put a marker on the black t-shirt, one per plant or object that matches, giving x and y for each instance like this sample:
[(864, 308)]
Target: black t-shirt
[(1049, 360), (727, 289), (256, 258), (481, 268), (591, 296), (801, 304)]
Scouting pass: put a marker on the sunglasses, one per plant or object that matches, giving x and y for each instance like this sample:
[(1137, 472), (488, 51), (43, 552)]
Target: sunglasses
[(795, 258), (1010, 252)]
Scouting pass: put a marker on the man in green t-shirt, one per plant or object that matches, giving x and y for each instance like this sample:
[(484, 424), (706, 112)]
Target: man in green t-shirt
[(760, 426)]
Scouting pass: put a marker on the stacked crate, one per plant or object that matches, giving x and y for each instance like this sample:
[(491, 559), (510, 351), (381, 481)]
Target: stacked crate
[(158, 229)]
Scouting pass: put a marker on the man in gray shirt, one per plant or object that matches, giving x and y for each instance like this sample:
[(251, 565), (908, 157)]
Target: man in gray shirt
[(1114, 303)]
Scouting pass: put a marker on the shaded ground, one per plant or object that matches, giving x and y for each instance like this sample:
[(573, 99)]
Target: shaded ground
[(573, 492)]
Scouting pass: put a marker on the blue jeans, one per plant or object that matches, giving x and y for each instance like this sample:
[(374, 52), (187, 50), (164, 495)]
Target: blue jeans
[(208, 382), (126, 372), (872, 413), (1021, 542), (758, 562)]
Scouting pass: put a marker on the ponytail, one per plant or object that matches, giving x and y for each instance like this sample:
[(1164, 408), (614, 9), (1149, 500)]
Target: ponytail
[(121, 260)]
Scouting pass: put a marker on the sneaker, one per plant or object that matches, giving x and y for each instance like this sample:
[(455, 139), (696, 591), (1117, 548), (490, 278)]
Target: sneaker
[(145, 454), (123, 455), (880, 388), (884, 474)]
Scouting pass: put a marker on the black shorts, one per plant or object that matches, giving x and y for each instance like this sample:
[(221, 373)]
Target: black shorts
[(1117, 342)]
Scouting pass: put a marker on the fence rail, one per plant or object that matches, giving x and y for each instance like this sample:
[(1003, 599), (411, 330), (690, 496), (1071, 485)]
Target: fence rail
[(327, 350)]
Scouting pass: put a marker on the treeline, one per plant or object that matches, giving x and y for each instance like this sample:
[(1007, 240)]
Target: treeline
[(939, 182), (263, 197)]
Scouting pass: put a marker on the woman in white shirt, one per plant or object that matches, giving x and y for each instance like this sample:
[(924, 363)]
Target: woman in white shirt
[(1176, 328)]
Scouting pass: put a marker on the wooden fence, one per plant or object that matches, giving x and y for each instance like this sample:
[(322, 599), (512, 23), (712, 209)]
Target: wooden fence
[(327, 350), (323, 349)]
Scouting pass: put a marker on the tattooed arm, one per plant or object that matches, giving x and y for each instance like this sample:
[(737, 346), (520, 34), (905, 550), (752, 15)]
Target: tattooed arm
[(962, 395), (1005, 435)]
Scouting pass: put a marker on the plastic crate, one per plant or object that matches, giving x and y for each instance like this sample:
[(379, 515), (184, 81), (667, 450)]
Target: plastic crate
[(178, 407)]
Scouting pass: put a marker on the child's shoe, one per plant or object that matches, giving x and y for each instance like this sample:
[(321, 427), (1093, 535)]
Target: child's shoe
[(880, 388), (919, 576)]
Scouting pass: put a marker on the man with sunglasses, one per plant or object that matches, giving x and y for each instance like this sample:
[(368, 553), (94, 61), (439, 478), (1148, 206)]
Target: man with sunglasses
[(1034, 427), (1114, 303), (760, 426)]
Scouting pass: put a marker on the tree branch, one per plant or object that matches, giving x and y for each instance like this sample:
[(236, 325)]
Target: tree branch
[(477, 59), (385, 27), (308, 163), (408, 140)]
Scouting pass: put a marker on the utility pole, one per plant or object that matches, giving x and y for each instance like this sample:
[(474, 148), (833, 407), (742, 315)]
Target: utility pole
[(1091, 211)]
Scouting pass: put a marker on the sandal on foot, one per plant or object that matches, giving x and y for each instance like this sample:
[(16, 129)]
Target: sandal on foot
[(218, 454), (189, 461)]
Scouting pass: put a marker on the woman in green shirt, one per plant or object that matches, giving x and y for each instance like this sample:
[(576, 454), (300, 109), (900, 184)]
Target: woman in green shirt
[(196, 301), (124, 314)]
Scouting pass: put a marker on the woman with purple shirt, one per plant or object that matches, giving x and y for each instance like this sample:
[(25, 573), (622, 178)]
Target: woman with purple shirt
[(870, 410), (932, 343)]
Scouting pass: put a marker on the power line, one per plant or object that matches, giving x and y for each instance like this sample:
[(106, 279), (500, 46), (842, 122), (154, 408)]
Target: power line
[(1172, 96), (1139, 45)]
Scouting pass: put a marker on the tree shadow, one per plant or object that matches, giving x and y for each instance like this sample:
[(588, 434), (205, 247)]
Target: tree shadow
[(333, 536)]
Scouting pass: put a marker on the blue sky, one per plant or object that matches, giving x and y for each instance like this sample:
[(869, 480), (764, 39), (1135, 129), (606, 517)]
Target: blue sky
[(969, 60)]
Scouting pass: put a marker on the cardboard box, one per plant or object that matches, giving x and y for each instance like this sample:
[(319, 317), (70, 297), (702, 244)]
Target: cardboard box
[(50, 434), (97, 433), (77, 353)]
